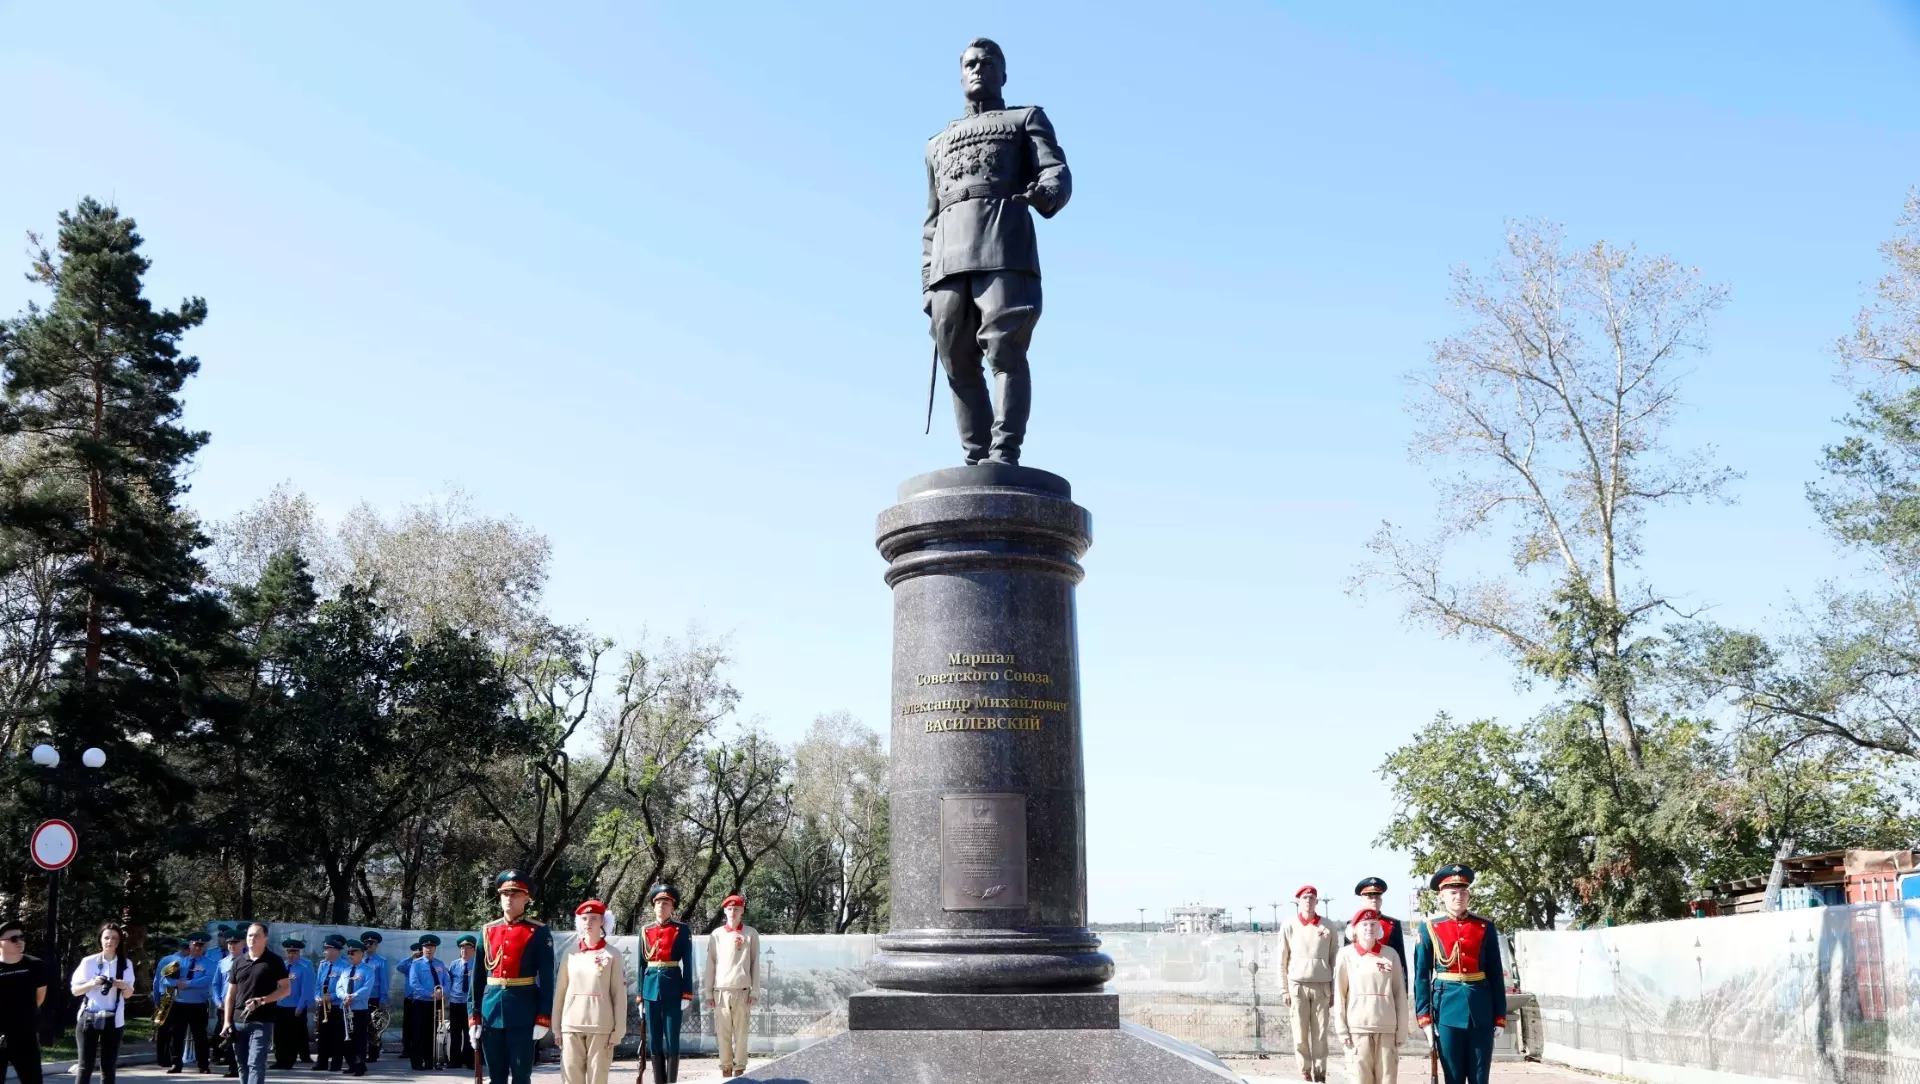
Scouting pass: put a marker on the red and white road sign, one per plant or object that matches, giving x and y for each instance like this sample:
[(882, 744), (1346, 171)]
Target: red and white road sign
[(54, 844)]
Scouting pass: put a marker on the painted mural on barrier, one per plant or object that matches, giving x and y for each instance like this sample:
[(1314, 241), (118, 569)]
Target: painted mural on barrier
[(1816, 995)]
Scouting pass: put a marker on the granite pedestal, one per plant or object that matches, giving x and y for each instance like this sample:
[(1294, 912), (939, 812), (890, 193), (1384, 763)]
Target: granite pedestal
[(988, 971)]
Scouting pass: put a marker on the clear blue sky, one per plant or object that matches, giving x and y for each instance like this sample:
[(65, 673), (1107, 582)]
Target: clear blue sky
[(645, 277)]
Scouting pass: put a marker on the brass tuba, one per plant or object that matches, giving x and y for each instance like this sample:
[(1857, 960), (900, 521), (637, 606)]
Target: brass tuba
[(160, 1011)]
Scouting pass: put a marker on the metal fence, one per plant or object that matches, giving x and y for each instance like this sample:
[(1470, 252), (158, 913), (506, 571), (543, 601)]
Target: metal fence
[(1824, 994)]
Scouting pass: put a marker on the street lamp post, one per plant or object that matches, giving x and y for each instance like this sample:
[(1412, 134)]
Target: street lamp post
[(1143, 918), (46, 756)]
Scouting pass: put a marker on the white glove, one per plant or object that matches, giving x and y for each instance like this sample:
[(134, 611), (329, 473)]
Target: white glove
[(473, 1030), (539, 1032), (1499, 1031)]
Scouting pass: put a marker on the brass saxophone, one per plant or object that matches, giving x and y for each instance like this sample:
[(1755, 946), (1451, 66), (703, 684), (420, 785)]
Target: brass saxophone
[(160, 1011)]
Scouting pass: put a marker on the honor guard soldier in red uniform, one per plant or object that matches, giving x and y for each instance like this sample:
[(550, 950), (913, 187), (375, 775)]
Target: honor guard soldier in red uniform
[(511, 1002), (666, 982), (1374, 890), (1459, 987)]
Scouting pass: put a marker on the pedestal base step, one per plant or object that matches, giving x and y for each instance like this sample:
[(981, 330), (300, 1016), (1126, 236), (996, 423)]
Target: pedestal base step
[(1128, 1054), (891, 1010)]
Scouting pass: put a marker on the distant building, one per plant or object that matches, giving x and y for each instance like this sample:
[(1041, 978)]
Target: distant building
[(1831, 879), (1199, 918)]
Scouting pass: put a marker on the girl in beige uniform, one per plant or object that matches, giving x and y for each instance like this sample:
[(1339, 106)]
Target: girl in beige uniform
[(1370, 1001), (731, 983), (589, 1000)]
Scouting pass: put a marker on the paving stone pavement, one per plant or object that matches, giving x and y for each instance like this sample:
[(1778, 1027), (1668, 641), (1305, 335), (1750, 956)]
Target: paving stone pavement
[(390, 1070)]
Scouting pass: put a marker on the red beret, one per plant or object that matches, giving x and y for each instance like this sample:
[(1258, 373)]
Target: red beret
[(1304, 889), (735, 900), (591, 907), (1364, 914)]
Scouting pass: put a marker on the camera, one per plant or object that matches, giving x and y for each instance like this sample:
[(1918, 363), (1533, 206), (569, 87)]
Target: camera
[(103, 982)]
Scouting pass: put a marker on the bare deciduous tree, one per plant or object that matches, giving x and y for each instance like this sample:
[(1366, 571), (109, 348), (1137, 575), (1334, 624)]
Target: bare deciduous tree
[(1553, 405)]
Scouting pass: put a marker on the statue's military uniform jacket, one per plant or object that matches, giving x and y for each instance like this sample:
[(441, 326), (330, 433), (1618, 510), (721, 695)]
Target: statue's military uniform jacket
[(1458, 981), (974, 168), (513, 987)]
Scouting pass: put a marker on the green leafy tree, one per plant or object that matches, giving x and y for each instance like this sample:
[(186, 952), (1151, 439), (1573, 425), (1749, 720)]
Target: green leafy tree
[(91, 490)]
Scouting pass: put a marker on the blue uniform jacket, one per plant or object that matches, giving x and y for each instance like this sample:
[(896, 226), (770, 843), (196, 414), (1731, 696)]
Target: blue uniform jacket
[(459, 978), (354, 987), (668, 983), (326, 972), (1455, 1004), (300, 990), (424, 976), (195, 984), (382, 975)]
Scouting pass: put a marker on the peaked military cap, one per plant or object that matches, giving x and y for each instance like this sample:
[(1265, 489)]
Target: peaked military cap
[(468, 939), (355, 946), (513, 880), (666, 890), (429, 939), (1451, 875), (1372, 883), (334, 940), (199, 937), (233, 935), (292, 942)]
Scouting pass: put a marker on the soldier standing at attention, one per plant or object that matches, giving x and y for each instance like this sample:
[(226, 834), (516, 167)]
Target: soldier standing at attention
[(1373, 890), (330, 1030), (979, 263), (511, 1004), (731, 983), (1307, 951), (459, 981), (382, 971), (667, 983), (290, 1030), (427, 983), (1459, 987)]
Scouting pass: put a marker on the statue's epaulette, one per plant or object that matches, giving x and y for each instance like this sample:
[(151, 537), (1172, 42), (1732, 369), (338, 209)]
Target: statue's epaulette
[(534, 922)]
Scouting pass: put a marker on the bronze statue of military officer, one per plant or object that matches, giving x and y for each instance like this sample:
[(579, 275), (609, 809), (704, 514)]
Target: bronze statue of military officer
[(979, 264)]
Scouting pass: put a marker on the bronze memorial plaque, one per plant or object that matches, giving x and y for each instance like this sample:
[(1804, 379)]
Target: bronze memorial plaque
[(983, 852)]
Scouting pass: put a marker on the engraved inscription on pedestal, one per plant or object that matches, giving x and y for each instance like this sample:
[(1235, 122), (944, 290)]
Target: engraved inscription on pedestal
[(983, 852)]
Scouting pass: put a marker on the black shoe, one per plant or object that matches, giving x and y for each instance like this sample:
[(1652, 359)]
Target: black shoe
[(175, 1069)]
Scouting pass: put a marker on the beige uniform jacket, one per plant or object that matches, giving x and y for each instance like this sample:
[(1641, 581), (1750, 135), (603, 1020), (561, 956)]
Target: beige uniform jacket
[(1370, 994), (733, 961), (590, 993), (1307, 950)]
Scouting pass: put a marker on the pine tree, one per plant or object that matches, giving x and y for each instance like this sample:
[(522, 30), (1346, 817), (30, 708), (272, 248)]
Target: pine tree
[(94, 469)]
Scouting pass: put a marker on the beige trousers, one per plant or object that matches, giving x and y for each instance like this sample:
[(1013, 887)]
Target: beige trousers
[(585, 1057), (1312, 1002), (730, 1017), (1376, 1058)]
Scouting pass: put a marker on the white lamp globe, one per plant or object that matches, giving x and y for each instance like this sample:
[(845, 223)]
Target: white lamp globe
[(46, 756), (94, 757)]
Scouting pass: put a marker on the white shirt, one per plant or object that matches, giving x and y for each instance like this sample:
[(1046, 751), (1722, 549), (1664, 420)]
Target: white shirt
[(99, 1000)]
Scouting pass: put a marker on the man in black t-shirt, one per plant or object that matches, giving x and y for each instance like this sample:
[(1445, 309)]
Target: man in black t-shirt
[(23, 987), (259, 981)]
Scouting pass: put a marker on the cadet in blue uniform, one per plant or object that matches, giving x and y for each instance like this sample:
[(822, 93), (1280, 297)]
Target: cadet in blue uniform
[(354, 989), (330, 1026), (1459, 987), (290, 1030), (187, 1020), (510, 1004), (459, 981), (666, 984), (382, 986), (427, 982)]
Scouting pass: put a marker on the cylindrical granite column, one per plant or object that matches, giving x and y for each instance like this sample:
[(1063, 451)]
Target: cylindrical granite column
[(988, 848)]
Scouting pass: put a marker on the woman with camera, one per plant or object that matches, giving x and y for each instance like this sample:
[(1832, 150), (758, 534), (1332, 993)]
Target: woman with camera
[(102, 982)]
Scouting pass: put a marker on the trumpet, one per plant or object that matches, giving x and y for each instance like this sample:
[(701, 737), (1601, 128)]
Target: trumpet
[(442, 1036)]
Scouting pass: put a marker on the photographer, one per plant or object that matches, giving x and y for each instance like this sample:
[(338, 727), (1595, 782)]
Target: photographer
[(259, 979), (103, 981)]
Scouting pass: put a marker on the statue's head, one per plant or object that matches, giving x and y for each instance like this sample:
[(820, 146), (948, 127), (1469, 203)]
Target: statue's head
[(983, 70)]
